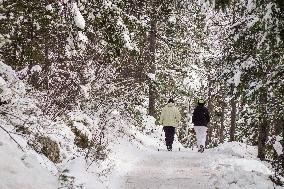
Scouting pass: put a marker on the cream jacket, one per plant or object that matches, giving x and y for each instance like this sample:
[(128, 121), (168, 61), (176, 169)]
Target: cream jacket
[(170, 115)]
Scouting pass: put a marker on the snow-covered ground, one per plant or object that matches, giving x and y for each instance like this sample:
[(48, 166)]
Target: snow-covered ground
[(180, 169), (231, 165), (135, 162), (20, 170)]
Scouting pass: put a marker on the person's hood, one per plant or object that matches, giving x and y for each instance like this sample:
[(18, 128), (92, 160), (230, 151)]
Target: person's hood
[(171, 104)]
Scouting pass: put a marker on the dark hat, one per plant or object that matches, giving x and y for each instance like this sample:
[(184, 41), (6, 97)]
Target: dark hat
[(171, 100)]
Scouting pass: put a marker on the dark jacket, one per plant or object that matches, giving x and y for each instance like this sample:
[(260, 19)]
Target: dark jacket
[(200, 116)]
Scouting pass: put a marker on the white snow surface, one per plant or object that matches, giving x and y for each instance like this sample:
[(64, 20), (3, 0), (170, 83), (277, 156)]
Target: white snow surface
[(22, 170), (139, 164), (135, 162), (78, 18), (232, 165)]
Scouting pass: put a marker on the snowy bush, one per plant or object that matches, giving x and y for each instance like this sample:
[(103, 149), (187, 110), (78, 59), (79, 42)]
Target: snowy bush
[(10, 85)]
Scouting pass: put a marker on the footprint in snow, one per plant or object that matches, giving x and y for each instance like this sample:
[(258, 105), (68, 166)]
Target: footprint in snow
[(27, 161)]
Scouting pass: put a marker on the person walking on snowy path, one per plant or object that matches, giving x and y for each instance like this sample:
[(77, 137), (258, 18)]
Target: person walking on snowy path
[(170, 117), (200, 119)]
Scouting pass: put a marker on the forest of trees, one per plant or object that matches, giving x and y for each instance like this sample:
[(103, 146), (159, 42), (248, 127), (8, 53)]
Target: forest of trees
[(119, 54)]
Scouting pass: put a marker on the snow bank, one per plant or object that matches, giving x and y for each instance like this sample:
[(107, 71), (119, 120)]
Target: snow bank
[(21, 169), (237, 149), (238, 179), (235, 165), (85, 177), (124, 157), (31, 169)]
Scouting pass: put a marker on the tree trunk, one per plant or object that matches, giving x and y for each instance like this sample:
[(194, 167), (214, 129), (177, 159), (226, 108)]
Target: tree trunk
[(263, 125), (222, 129), (233, 114), (152, 66), (282, 155), (210, 108)]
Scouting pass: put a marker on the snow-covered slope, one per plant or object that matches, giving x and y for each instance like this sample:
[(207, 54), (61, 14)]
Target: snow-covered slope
[(21, 170), (234, 165), (135, 162)]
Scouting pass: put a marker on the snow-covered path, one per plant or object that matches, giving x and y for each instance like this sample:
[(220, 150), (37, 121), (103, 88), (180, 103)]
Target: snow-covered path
[(165, 169), (231, 165)]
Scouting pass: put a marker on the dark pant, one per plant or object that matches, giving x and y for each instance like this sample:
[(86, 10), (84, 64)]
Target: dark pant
[(169, 135)]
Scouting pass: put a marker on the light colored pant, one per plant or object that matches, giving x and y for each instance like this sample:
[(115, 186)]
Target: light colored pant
[(200, 135)]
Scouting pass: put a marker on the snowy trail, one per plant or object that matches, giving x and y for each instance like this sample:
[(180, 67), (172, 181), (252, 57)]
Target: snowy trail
[(165, 169)]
